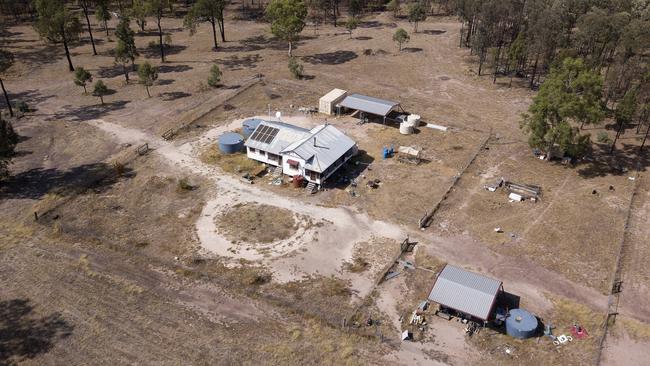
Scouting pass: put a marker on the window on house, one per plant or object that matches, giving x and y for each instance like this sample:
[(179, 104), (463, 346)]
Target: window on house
[(253, 151), (293, 164)]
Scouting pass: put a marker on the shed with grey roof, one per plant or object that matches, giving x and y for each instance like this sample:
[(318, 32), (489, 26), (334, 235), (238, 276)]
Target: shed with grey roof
[(370, 105), (468, 293)]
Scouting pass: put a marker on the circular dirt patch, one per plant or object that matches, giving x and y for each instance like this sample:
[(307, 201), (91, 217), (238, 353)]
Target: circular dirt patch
[(255, 223)]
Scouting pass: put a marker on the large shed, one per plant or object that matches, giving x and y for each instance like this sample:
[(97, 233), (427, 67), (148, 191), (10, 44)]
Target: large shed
[(471, 294), (328, 102), (369, 105)]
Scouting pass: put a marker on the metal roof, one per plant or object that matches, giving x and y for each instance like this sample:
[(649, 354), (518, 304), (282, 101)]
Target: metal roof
[(322, 148), (368, 104), (465, 291), (286, 135)]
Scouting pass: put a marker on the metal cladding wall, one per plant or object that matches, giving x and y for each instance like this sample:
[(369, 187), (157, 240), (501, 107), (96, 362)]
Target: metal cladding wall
[(230, 143), (249, 125), (521, 324)]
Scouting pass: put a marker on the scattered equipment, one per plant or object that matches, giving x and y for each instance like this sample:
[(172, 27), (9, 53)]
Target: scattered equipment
[(408, 155), (387, 152), (578, 331), (524, 190), (436, 127), (515, 197)]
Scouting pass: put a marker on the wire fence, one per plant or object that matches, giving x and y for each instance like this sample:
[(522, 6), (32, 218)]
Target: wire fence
[(616, 287)]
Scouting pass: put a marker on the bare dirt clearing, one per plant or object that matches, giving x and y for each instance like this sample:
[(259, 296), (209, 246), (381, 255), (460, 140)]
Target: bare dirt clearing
[(253, 223)]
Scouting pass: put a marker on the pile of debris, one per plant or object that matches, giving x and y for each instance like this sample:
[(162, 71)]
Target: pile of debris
[(408, 155), (517, 192)]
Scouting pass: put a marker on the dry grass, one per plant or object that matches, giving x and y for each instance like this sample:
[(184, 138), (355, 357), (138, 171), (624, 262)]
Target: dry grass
[(322, 343), (570, 230), (425, 260), (236, 163), (637, 330), (256, 223)]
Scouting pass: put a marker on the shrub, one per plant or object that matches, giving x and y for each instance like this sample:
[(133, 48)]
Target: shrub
[(295, 68), (22, 106), (184, 185), (215, 76), (603, 138)]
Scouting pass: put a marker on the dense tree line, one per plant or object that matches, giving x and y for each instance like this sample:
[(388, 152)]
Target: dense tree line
[(606, 41)]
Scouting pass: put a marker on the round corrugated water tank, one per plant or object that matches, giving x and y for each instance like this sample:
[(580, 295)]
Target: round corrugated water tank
[(249, 125), (414, 120), (521, 324), (231, 142)]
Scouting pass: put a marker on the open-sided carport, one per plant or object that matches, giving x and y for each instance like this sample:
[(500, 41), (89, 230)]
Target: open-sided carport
[(370, 105)]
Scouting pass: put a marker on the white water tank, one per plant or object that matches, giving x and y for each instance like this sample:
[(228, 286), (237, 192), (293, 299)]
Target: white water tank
[(405, 128), (413, 120)]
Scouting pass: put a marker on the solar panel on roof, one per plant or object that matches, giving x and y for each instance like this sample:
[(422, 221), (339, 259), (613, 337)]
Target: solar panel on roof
[(264, 134), (270, 134), (258, 133)]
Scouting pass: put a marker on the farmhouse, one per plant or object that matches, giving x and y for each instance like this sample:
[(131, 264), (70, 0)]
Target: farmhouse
[(467, 294), (312, 154)]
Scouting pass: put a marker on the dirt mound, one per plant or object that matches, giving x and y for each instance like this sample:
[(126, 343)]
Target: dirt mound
[(255, 223)]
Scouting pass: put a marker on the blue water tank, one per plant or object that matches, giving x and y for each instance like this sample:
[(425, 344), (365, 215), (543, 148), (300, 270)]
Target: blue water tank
[(249, 125), (521, 324), (231, 142)]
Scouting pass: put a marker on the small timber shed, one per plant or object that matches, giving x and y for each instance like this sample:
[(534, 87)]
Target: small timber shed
[(467, 293), (369, 105), (328, 102)]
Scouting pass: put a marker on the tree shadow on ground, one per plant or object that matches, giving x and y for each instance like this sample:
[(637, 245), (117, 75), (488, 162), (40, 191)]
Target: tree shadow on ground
[(164, 82), (35, 183), (363, 38), (109, 72), (246, 47), (269, 43), (235, 62), (331, 58), (24, 336), (371, 24), (623, 161), (154, 32), (167, 96), (173, 68), (32, 97), (85, 113), (154, 52), (411, 49), (434, 32), (39, 56)]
